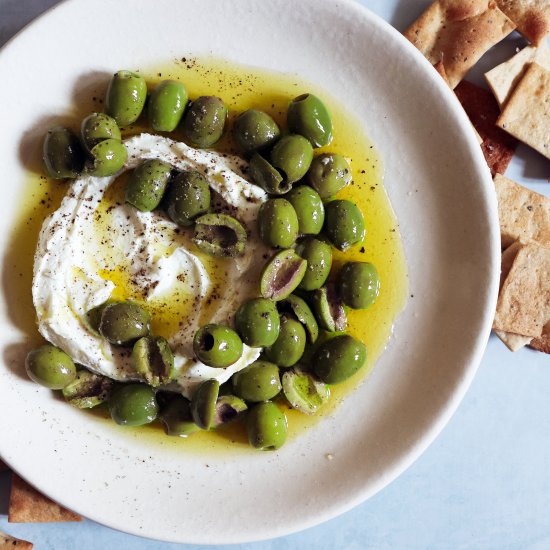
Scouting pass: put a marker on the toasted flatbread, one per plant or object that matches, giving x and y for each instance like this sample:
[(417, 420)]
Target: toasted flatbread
[(527, 113), (8, 542), (27, 505), (523, 305), (542, 343), (532, 17), (514, 342), (523, 214), (458, 33), (505, 77), (482, 109)]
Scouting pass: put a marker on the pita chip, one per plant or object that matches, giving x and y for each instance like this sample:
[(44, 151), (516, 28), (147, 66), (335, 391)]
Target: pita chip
[(505, 77), (458, 33), (482, 109), (532, 17), (523, 306), (8, 542), (524, 215), (542, 343), (27, 505), (514, 342), (527, 113)]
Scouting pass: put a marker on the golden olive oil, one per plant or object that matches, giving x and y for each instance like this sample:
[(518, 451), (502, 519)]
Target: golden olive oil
[(241, 88)]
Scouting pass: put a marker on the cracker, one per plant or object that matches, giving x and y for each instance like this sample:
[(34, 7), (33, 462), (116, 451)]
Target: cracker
[(458, 32), (514, 342), (527, 113), (27, 505), (504, 77), (507, 261), (8, 542), (523, 214), (532, 17), (483, 111), (523, 306)]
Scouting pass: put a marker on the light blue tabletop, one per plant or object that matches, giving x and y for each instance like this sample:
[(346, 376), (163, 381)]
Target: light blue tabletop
[(484, 483)]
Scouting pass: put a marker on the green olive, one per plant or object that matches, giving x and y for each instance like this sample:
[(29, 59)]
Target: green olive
[(290, 345), (292, 156), (259, 381), (175, 415), (358, 284), (154, 360), (267, 177), (88, 390), (278, 223), (344, 224), (339, 358), (147, 183), (298, 307), (282, 274), (308, 116), (328, 174), (203, 403), (228, 407), (266, 426), (318, 255), (217, 346), (63, 154), (133, 405), (109, 156), (93, 316), (220, 235), (166, 105), (328, 309), (123, 323), (125, 97), (204, 121), (97, 127), (50, 367), (187, 197), (303, 391), (257, 322), (309, 209), (255, 131)]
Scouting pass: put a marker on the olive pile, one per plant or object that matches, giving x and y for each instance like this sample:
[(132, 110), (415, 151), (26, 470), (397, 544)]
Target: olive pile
[(298, 318)]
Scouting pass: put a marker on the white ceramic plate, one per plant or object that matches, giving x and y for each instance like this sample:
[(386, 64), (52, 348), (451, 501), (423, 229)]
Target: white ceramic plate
[(440, 189)]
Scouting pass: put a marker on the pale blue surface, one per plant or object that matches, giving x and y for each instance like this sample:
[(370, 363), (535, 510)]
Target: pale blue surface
[(483, 484)]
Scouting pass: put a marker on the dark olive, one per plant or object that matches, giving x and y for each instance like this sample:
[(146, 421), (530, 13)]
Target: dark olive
[(344, 224), (290, 345), (292, 156), (255, 130), (339, 358), (187, 197), (50, 367), (125, 97), (309, 209), (147, 183), (133, 405), (63, 153), (217, 346), (266, 426), (358, 284), (97, 127), (166, 105), (328, 174), (308, 116), (123, 323), (278, 223), (204, 121), (318, 255), (257, 322), (220, 235)]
